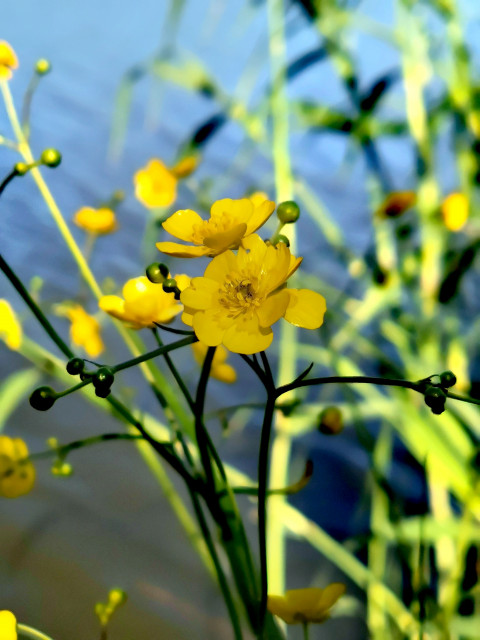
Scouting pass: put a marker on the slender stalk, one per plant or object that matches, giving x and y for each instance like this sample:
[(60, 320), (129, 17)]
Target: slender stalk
[(30, 632), (305, 630), (176, 375), (65, 449), (153, 354)]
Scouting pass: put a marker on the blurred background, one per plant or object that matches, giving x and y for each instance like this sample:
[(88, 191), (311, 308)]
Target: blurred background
[(375, 107)]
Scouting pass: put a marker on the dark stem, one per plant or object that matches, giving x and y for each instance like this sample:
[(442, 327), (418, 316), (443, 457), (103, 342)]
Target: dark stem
[(175, 373), (153, 354)]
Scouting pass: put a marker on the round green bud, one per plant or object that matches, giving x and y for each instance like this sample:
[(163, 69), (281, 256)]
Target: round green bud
[(117, 597), (435, 398), (281, 239), (330, 421), (43, 398), (157, 272), (102, 381), (448, 379), (51, 158), (288, 212), (21, 168), (170, 285), (60, 468), (75, 366), (42, 67)]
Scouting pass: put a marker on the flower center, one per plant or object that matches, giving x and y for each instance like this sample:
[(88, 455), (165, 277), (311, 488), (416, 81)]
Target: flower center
[(239, 294), (209, 228)]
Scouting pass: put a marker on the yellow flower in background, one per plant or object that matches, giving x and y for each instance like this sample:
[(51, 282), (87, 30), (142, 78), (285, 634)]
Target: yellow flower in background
[(98, 221), (240, 297), (85, 330), (10, 328), (455, 210), (258, 197), (185, 167), (8, 626), (8, 60), (220, 370), (306, 605), (17, 475), (155, 185), (397, 203), (144, 303), (230, 222)]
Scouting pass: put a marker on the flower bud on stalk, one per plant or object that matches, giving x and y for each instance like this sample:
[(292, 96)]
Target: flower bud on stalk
[(51, 158), (43, 398), (102, 381), (157, 272), (435, 398), (42, 67), (75, 366), (330, 421), (288, 212)]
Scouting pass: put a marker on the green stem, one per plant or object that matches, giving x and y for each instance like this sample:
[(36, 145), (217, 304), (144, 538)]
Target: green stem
[(30, 632), (27, 103), (175, 373), (13, 174), (34, 308), (65, 449), (153, 354), (306, 635)]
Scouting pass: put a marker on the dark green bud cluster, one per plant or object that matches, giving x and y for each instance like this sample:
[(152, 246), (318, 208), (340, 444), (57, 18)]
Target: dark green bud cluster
[(435, 398), (157, 272), (75, 366), (42, 67), (170, 286), (51, 158), (330, 421), (43, 398), (288, 212), (448, 379), (102, 380)]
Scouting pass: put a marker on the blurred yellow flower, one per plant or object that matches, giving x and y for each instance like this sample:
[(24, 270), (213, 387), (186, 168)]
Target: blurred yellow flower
[(258, 197), (144, 303), (455, 209), (230, 222), (155, 185), (85, 330), (306, 605), (98, 221), (10, 328), (17, 475), (242, 295), (220, 370), (185, 167), (397, 203), (8, 60)]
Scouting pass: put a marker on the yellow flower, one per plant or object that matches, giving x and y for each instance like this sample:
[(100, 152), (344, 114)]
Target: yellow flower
[(17, 475), (242, 295), (98, 221), (397, 203), (155, 185), (230, 222), (85, 330), (306, 605), (455, 211), (144, 303), (10, 328), (8, 60), (220, 370), (258, 197)]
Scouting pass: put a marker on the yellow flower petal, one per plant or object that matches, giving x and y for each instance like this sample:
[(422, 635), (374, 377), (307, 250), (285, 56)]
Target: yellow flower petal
[(113, 305), (8, 60), (331, 594), (85, 331), (306, 308), (220, 242), (247, 336), (455, 210), (155, 185), (238, 210), (8, 626), (260, 215), (306, 605), (99, 221), (273, 308), (10, 328), (181, 224), (17, 475), (225, 373), (258, 197), (182, 251), (220, 370), (210, 326), (199, 294), (279, 607)]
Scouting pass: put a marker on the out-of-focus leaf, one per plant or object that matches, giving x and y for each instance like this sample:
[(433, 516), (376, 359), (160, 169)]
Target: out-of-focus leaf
[(457, 266), (323, 117), (305, 61), (208, 129), (14, 389), (376, 91)]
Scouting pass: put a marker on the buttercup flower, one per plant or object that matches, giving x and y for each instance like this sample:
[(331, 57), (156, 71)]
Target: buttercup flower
[(242, 295), (306, 605), (99, 221), (8, 60), (10, 328), (17, 475), (397, 203), (455, 211), (144, 303), (220, 370), (85, 330), (230, 222), (155, 185)]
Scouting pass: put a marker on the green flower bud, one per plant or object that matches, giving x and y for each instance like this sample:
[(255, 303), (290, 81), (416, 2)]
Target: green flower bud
[(330, 421), (157, 272), (42, 67), (51, 158), (21, 168), (281, 239), (448, 379), (102, 381), (75, 366), (117, 597), (435, 398), (61, 468), (288, 212), (170, 285), (43, 398)]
